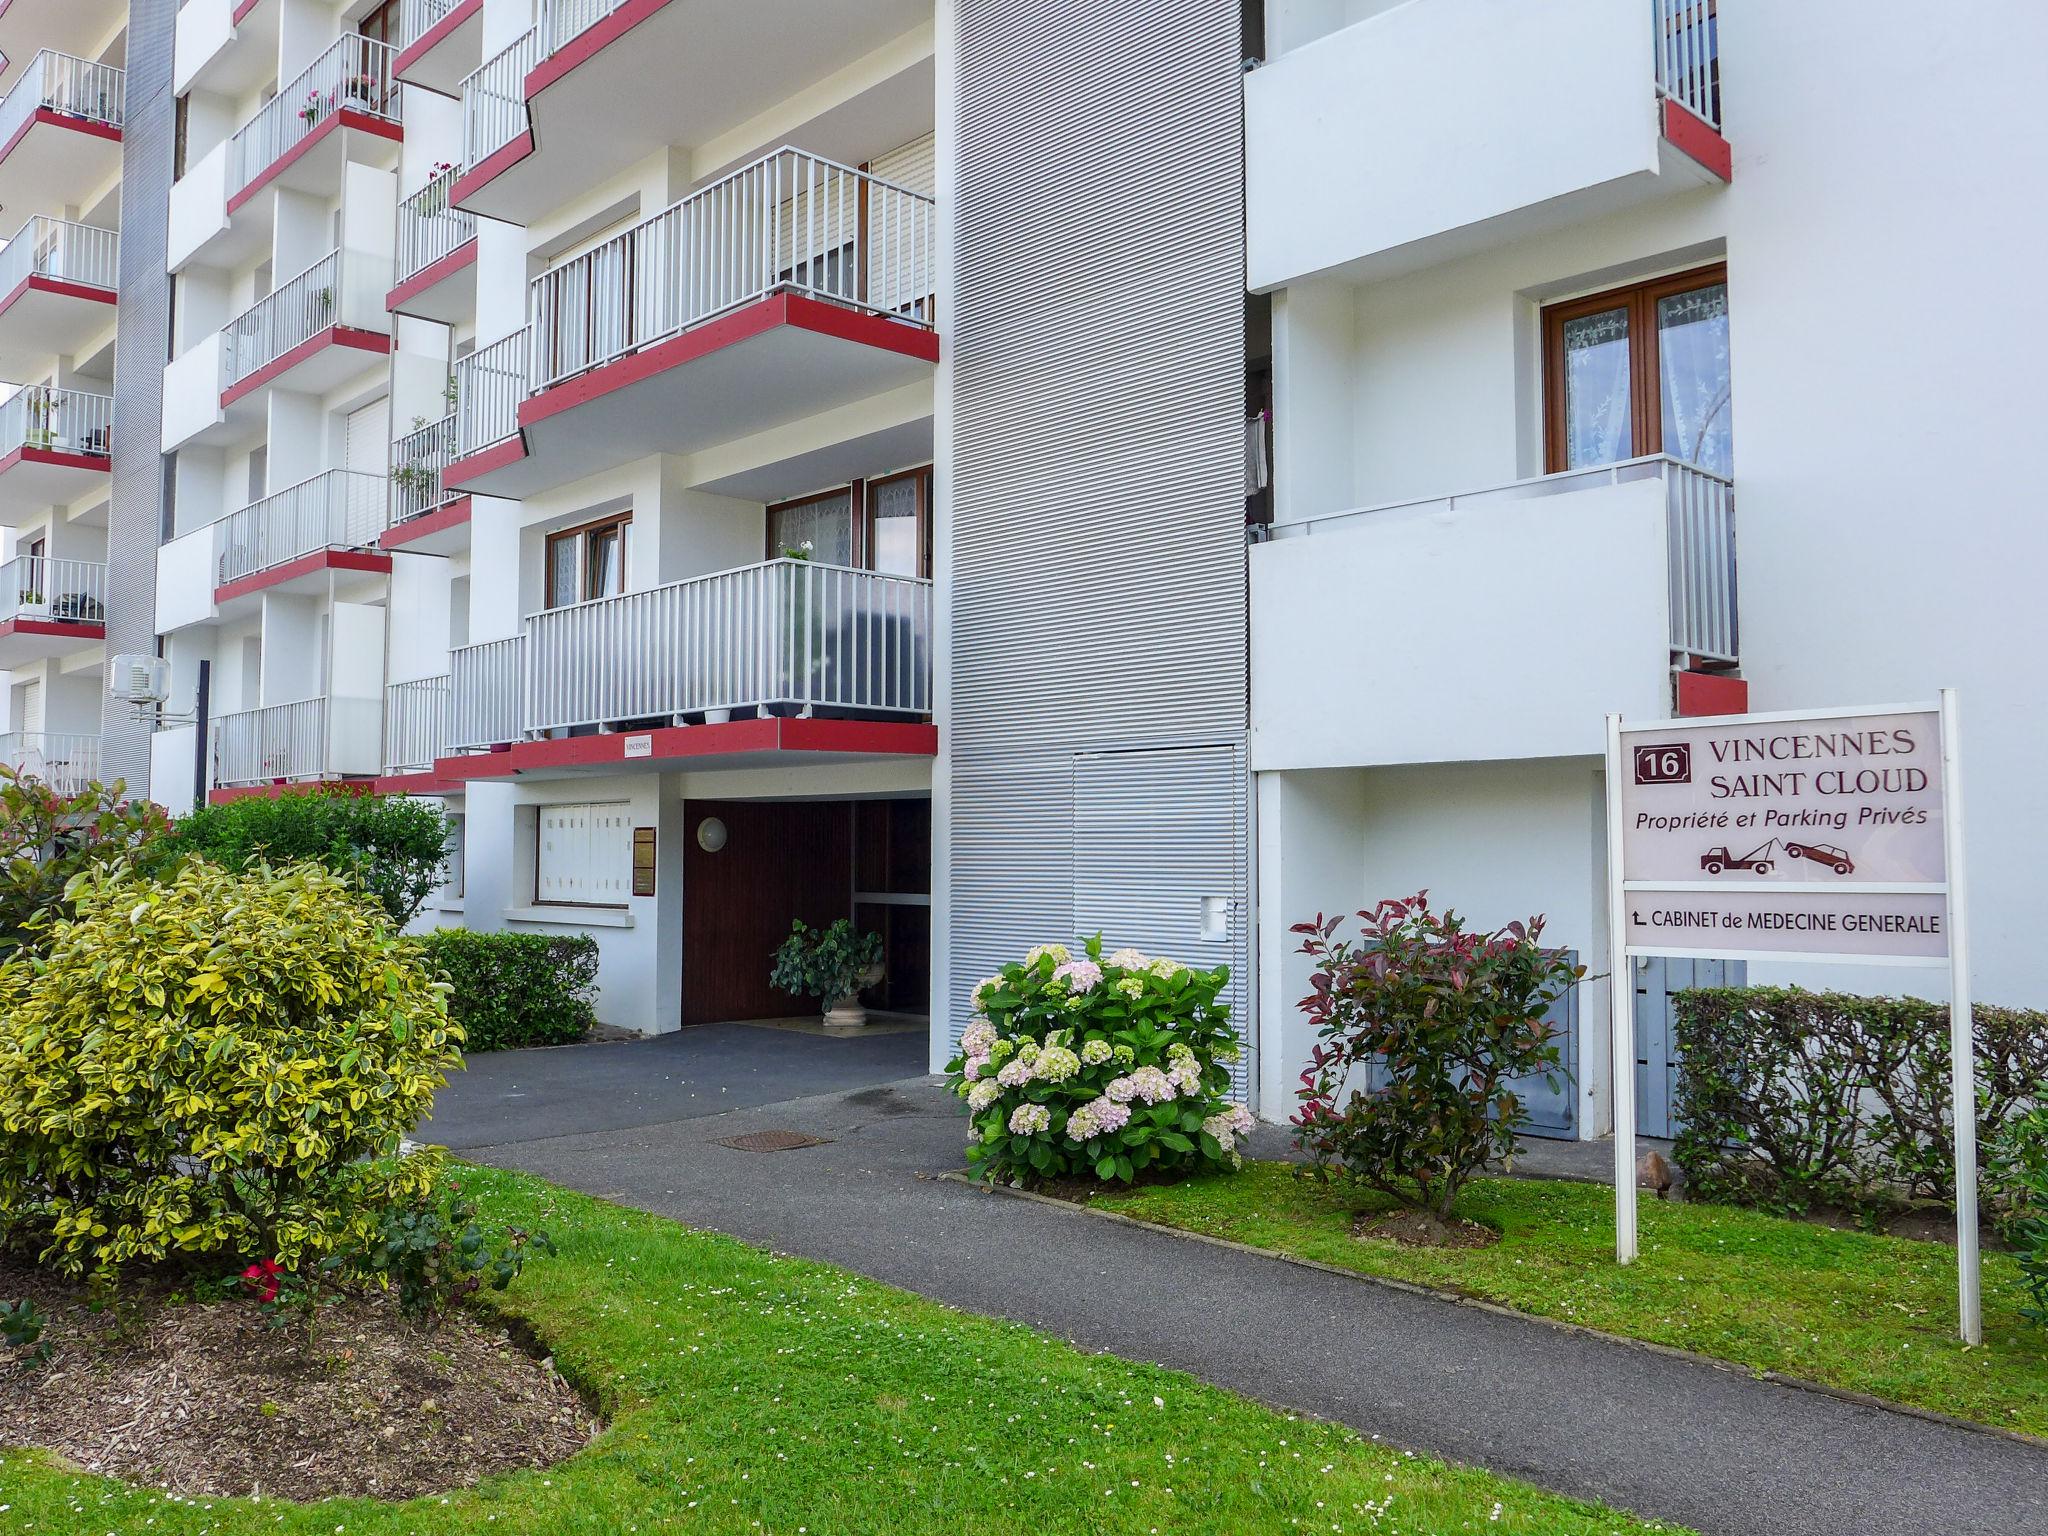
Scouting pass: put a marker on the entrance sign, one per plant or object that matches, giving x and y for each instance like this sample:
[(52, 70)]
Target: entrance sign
[(1833, 836)]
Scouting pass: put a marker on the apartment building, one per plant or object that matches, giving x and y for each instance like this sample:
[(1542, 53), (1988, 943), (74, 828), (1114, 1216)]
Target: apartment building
[(1002, 469), (61, 115), (1635, 380)]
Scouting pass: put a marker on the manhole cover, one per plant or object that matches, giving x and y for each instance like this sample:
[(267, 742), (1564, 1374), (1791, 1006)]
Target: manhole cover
[(771, 1141)]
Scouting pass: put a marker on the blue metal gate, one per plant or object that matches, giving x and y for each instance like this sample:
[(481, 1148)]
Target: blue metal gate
[(1656, 978)]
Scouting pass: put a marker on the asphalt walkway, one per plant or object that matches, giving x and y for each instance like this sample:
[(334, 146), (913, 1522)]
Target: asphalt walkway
[(1665, 1437)]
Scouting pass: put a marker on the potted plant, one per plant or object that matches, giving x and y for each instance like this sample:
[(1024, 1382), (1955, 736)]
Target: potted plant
[(315, 107), (831, 964)]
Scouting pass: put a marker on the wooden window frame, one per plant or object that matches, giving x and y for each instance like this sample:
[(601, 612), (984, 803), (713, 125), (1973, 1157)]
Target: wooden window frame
[(582, 531), (856, 493), (922, 476), (1646, 402)]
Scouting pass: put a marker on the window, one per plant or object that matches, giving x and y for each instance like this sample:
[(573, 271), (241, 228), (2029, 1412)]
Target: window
[(823, 522), (587, 562), (1640, 370), (582, 855), (899, 532), (876, 525)]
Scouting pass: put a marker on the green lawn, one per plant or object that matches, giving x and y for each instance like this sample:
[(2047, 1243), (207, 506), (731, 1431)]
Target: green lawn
[(1873, 1314), (753, 1394)]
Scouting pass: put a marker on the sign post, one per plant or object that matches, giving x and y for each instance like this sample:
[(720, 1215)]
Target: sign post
[(1833, 836)]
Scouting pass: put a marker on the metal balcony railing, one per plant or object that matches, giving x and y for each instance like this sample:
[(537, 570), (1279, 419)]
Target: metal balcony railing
[(63, 252), (65, 762), (354, 74), (416, 18), (1699, 540), (494, 98), (486, 689), (428, 228), (489, 384), (340, 509), (281, 743), (53, 590), (415, 724), (1689, 56), (791, 220), (563, 20), (58, 82), (417, 460), (57, 421)]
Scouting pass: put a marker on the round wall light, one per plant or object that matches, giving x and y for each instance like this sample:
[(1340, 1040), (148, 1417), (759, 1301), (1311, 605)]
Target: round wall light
[(711, 834)]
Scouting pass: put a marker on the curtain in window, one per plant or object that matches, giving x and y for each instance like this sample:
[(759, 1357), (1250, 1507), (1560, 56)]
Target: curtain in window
[(825, 523), (896, 544), (1597, 424), (1692, 350)]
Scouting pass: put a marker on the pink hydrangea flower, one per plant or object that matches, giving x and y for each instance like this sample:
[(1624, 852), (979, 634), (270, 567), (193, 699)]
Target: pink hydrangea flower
[(1015, 1073), (973, 1067), (1098, 1117), (1079, 975), (1030, 1119)]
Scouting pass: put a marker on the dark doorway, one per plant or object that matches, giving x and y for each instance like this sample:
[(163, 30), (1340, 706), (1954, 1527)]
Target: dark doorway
[(779, 860)]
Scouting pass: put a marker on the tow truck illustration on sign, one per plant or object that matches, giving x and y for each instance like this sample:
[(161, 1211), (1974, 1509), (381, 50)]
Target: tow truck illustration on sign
[(1758, 861)]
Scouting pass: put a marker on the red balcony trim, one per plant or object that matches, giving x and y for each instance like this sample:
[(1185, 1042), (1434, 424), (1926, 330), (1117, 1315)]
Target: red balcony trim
[(333, 122), (304, 565), (484, 460), (1711, 693), (1694, 136), (282, 787), (414, 784), (501, 159), (433, 37), (892, 738), (587, 44), (453, 515), (764, 315), (333, 336), (55, 458), (242, 10), (61, 120), (464, 255), (56, 629), (57, 285)]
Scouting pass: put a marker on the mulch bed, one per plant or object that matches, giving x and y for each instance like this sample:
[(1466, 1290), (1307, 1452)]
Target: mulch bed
[(210, 1399), (1422, 1229)]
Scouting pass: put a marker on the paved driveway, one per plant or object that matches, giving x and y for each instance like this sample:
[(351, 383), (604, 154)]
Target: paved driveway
[(510, 1096)]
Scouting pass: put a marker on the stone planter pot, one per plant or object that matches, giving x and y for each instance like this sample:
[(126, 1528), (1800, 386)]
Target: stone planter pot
[(847, 1012)]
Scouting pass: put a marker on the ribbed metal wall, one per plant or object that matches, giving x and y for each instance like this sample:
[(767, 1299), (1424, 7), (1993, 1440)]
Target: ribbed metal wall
[(1095, 529), (140, 351)]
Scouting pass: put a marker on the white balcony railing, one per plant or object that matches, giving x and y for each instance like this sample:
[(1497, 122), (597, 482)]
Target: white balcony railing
[(280, 743), (53, 590), (1699, 540), (1689, 56), (354, 75), (417, 460), (428, 228), (57, 421), (340, 509), (62, 252), (791, 220), (416, 18), (415, 724), (564, 20), (65, 762), (486, 692), (783, 633), (342, 288), (59, 82), (489, 384), (494, 98)]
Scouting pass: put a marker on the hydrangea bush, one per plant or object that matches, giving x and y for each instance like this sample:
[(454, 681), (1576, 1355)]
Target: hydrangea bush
[(1079, 1066)]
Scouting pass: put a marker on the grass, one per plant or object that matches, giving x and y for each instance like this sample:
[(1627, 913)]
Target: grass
[(1849, 1309), (755, 1394)]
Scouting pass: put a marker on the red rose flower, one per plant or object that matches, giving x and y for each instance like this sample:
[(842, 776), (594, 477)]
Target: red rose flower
[(261, 1279)]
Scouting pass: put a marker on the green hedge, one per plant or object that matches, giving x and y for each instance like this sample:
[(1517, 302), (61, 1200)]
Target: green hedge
[(515, 989), (1793, 1098)]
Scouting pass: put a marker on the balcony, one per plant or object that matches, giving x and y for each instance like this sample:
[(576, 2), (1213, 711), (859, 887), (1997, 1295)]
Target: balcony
[(60, 134), (1511, 120), (1540, 607), (436, 266), (600, 84), (64, 761), (308, 741), (317, 331), (443, 43), (341, 107), (783, 656), (426, 518), (712, 320), (415, 726), (56, 447), (50, 607), (71, 26), (57, 291), (290, 541)]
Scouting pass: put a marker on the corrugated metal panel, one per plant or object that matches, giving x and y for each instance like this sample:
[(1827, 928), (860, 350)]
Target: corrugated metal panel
[(1093, 506), (134, 515)]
